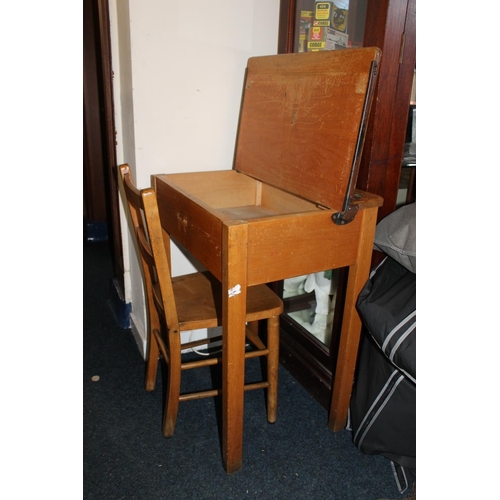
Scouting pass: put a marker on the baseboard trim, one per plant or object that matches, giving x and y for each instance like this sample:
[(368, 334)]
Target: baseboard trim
[(120, 308), (139, 337), (124, 317)]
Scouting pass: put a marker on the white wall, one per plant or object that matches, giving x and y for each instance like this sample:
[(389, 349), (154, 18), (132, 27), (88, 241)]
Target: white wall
[(178, 75)]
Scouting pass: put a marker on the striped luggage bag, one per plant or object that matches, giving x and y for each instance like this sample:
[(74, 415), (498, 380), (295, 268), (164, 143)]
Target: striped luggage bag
[(383, 403)]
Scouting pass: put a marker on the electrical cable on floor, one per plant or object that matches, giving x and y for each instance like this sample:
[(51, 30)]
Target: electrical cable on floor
[(200, 353), (195, 350)]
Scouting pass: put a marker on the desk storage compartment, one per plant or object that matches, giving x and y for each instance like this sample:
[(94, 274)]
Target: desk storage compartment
[(285, 232), (232, 195)]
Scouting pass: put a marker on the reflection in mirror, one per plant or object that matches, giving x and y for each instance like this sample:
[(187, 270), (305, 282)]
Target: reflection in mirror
[(310, 302), (407, 180)]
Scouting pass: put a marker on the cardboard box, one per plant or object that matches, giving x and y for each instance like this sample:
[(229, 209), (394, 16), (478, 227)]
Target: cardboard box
[(316, 38), (339, 18), (323, 12), (324, 38), (306, 18), (331, 15), (336, 40)]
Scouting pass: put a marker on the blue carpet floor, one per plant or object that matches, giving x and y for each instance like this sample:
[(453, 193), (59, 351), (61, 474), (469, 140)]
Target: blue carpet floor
[(126, 457)]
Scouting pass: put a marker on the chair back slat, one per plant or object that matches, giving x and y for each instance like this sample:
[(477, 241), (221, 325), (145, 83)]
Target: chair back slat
[(150, 242), (162, 264)]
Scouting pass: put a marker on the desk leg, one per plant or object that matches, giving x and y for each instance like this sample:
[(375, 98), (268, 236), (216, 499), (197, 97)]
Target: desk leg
[(234, 290), (351, 324)]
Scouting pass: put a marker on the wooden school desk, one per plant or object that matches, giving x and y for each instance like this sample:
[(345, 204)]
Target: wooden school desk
[(288, 207)]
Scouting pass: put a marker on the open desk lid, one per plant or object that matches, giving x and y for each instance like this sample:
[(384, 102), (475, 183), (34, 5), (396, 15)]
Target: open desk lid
[(303, 120)]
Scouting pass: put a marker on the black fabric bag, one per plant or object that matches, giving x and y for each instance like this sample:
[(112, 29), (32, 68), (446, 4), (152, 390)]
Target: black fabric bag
[(383, 403)]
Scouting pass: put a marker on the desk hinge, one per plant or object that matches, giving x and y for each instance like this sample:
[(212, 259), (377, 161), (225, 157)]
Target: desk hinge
[(342, 218)]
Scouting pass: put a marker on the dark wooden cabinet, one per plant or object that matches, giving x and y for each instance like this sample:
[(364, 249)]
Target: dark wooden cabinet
[(389, 25)]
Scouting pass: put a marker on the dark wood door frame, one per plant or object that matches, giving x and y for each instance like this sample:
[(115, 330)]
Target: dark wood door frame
[(95, 206), (390, 25), (101, 199)]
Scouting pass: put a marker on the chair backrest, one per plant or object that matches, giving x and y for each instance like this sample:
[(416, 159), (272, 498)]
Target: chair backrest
[(152, 243)]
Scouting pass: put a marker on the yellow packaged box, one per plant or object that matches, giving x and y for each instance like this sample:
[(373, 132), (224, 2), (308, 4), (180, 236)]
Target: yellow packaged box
[(323, 14), (316, 38), (323, 38), (306, 17), (339, 17), (331, 14)]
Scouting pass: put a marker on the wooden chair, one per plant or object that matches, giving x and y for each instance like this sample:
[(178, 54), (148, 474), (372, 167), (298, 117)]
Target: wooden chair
[(191, 302)]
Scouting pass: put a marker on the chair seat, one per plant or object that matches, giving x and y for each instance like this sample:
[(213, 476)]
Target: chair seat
[(199, 301)]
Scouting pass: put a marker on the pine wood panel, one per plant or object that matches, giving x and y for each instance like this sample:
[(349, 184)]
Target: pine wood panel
[(301, 119)]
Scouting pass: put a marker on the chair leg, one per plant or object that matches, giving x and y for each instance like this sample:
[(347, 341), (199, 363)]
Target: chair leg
[(254, 326), (173, 393), (273, 344), (151, 363)]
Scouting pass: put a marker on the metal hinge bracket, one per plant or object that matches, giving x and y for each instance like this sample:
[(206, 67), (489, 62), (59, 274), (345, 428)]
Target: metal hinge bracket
[(342, 218)]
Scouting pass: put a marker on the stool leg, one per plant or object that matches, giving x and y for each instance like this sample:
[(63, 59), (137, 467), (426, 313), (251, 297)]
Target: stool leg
[(153, 349), (173, 390), (151, 363), (273, 344)]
